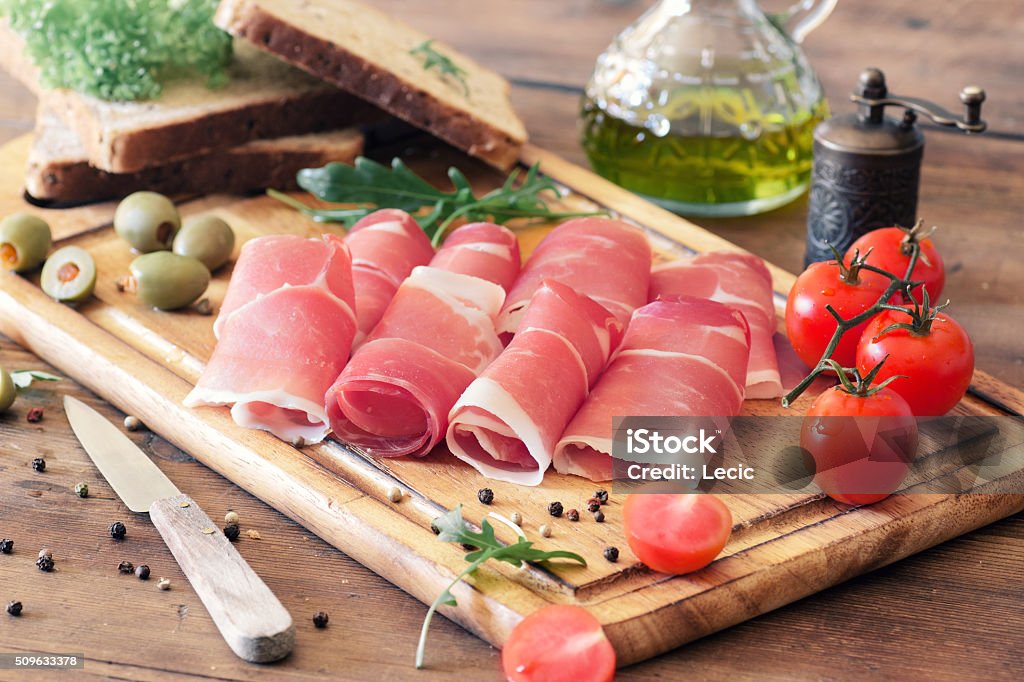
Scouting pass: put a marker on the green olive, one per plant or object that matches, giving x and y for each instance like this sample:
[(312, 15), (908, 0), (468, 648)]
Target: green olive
[(69, 275), (207, 238), (148, 221), (25, 240), (8, 391), (168, 281)]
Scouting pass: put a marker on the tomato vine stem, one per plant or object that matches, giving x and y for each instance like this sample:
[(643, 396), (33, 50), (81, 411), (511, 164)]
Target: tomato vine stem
[(896, 283)]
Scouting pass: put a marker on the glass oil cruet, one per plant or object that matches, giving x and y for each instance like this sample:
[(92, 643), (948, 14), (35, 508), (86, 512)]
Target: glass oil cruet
[(708, 107)]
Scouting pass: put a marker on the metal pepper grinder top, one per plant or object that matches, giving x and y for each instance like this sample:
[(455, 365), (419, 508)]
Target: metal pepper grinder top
[(867, 166)]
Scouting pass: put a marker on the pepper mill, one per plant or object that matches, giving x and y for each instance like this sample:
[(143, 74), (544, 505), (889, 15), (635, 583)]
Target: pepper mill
[(867, 166)]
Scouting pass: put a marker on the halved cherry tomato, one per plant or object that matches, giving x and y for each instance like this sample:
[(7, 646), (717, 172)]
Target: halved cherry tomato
[(810, 327), (677, 533), (862, 445), (558, 643), (938, 361), (890, 251)]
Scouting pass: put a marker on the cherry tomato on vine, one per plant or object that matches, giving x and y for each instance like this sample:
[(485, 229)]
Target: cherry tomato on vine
[(676, 533), (850, 290), (862, 444), (558, 643), (932, 350), (890, 250)]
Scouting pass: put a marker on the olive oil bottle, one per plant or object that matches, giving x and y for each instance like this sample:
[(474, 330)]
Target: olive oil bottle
[(766, 165), (707, 106)]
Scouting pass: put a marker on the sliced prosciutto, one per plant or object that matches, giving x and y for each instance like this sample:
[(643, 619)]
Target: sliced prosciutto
[(607, 260), (680, 356), (508, 421), (285, 331), (386, 245), (437, 335), (483, 250), (742, 281)]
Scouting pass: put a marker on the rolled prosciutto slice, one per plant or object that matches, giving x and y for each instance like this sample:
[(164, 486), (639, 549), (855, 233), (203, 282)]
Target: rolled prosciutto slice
[(607, 260), (508, 421), (436, 336), (742, 281), (285, 331), (386, 245), (680, 356), (483, 250)]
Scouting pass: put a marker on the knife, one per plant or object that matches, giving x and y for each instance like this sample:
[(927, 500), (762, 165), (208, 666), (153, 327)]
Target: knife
[(252, 620)]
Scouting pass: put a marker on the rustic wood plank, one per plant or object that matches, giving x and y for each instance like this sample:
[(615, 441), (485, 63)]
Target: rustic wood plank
[(17, 109), (926, 616), (927, 51)]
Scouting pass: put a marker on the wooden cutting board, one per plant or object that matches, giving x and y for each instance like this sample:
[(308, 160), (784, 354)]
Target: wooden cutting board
[(784, 546)]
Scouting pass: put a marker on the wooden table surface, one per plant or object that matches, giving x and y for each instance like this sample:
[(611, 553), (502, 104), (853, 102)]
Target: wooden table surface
[(952, 612)]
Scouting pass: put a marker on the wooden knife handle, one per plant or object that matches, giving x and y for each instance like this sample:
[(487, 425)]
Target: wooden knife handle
[(252, 620)]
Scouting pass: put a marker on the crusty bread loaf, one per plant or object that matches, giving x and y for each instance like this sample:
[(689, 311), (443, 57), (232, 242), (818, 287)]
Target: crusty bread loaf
[(368, 53), (264, 98), (58, 167)]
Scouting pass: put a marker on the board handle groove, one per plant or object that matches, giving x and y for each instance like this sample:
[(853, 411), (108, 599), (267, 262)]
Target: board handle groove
[(252, 621)]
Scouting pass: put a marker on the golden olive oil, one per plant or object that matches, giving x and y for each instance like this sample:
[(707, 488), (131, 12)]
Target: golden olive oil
[(765, 166)]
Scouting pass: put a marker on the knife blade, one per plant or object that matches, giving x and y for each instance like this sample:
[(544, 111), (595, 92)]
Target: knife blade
[(253, 622), (133, 476)]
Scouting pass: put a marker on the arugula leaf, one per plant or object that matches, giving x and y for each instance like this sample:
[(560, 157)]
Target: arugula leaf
[(432, 59), (453, 528), (370, 185), (25, 377), (369, 182)]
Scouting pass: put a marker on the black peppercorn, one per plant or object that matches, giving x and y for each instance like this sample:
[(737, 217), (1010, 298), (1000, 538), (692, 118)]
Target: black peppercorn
[(142, 572), (320, 619), (39, 464), (434, 528), (555, 509), (6, 546), (117, 530), (34, 415), (573, 515), (126, 567), (468, 547), (602, 496), (14, 608), (45, 563), (599, 516), (485, 495), (593, 504), (611, 554), (232, 531)]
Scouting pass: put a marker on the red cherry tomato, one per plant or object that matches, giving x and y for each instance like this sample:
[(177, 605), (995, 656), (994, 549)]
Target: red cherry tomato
[(676, 533), (810, 327), (862, 446), (890, 251), (558, 643), (938, 363)]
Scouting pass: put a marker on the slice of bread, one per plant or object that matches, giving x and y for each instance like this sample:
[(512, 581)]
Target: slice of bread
[(59, 170), (368, 53), (264, 98)]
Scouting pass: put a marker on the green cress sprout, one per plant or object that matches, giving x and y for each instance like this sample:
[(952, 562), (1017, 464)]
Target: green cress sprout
[(121, 50)]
